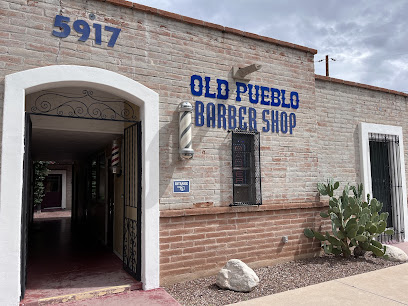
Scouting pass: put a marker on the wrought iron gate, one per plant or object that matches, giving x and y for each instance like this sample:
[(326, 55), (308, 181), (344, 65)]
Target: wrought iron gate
[(386, 181), (26, 203), (90, 106), (132, 200)]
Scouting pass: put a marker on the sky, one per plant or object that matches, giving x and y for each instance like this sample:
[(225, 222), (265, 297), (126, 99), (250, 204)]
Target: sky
[(368, 40)]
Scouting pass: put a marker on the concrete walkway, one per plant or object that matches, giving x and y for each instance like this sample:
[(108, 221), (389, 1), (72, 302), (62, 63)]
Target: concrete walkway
[(381, 287)]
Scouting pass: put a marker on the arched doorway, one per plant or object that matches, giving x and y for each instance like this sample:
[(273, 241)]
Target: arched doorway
[(17, 86)]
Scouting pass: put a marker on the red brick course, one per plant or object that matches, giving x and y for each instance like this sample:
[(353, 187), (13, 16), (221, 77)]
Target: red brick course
[(199, 245)]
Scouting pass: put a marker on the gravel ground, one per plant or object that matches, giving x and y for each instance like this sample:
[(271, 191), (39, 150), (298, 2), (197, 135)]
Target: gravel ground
[(277, 278)]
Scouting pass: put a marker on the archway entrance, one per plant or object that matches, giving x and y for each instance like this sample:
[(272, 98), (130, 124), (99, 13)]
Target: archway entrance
[(19, 85), (77, 133)]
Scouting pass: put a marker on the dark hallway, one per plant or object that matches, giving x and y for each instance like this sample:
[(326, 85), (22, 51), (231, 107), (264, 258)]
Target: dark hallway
[(68, 261)]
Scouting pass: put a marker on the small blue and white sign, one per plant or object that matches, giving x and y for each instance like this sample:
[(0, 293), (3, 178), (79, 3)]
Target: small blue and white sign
[(181, 186)]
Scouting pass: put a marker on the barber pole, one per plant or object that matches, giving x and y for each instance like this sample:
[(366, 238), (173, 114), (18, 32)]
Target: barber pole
[(115, 157), (185, 143)]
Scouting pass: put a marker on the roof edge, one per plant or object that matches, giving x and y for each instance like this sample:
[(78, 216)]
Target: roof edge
[(360, 85), (210, 25)]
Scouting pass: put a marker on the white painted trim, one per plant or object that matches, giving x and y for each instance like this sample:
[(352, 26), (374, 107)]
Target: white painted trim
[(63, 185), (17, 86), (365, 129)]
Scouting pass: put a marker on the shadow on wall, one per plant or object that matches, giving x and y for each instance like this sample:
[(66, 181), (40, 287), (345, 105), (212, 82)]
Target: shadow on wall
[(167, 155), (170, 163), (198, 169)]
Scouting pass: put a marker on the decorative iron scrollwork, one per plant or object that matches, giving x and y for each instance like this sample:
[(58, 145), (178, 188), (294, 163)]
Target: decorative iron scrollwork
[(130, 253), (83, 106)]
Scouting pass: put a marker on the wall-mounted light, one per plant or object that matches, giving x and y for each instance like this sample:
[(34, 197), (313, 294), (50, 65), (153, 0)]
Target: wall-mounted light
[(115, 157), (185, 143), (241, 73)]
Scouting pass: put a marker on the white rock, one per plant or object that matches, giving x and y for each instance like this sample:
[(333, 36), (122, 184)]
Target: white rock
[(237, 276), (395, 254)]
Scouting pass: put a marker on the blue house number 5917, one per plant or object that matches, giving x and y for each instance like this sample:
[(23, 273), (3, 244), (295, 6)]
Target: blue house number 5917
[(83, 28)]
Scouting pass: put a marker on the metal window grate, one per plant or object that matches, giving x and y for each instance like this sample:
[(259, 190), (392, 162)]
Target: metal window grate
[(387, 182), (246, 168)]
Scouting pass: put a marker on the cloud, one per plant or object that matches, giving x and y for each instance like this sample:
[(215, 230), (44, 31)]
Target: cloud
[(368, 39)]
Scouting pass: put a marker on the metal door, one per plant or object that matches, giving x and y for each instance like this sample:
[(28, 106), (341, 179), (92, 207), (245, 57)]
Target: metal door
[(387, 182), (132, 200), (26, 203)]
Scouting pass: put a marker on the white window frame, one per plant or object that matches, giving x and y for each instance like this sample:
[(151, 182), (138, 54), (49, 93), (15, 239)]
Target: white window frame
[(365, 130)]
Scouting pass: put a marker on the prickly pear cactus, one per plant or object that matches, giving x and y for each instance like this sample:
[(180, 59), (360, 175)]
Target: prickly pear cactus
[(355, 223)]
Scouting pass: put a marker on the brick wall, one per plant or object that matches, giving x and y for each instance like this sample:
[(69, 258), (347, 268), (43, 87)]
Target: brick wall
[(198, 242), (162, 53), (340, 108)]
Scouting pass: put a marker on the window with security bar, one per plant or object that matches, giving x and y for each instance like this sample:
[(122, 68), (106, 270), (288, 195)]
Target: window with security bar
[(246, 168)]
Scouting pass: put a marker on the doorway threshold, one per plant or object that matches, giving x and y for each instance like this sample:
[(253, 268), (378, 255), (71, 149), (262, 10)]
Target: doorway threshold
[(79, 296)]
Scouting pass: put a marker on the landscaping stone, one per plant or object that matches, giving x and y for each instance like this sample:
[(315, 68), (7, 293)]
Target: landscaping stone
[(237, 276), (395, 254), (278, 278)]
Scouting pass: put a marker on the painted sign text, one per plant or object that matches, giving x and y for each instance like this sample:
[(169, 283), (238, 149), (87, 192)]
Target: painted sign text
[(82, 27), (279, 119)]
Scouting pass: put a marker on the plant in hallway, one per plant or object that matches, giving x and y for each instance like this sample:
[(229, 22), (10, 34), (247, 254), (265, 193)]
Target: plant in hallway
[(40, 173), (355, 223)]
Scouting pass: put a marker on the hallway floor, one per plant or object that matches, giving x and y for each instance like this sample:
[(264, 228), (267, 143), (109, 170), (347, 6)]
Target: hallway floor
[(67, 266)]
